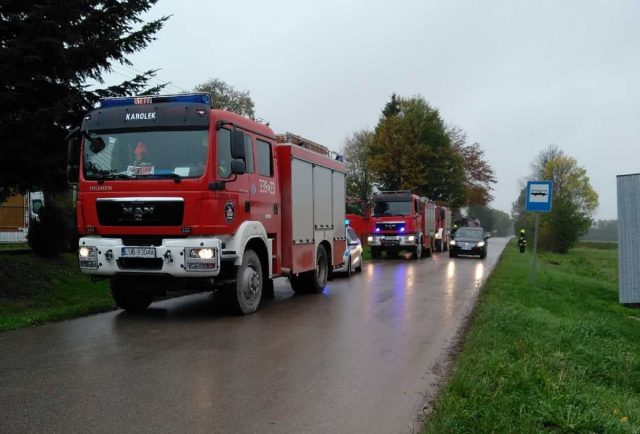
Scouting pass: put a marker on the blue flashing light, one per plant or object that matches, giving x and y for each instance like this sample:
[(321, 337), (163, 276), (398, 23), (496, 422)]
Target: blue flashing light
[(377, 229), (401, 228), (203, 98)]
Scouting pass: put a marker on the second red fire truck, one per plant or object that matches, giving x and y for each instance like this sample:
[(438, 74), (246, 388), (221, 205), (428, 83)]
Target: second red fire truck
[(400, 220)]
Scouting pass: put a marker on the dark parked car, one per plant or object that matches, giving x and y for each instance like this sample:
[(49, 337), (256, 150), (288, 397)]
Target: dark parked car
[(469, 241)]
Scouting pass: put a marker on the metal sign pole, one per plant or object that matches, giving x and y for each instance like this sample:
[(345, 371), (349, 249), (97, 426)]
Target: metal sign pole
[(538, 199), (535, 248)]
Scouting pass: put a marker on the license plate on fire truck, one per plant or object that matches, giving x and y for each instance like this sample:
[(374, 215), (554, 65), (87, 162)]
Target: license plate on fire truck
[(138, 252)]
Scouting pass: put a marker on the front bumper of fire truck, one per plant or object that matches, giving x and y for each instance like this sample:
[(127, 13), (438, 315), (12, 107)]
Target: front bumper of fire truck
[(392, 240), (180, 257)]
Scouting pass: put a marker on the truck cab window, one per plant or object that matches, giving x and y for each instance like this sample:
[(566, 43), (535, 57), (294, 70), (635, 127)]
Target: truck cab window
[(248, 150), (224, 153), (265, 165)]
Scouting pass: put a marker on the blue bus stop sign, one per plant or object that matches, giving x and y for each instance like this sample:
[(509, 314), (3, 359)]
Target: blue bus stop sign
[(539, 195)]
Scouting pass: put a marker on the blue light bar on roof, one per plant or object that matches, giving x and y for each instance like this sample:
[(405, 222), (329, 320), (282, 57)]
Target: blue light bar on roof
[(203, 98)]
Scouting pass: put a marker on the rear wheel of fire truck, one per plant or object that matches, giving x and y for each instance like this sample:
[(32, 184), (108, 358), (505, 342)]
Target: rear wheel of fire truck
[(375, 252), (321, 273), (126, 297), (429, 251), (313, 281), (248, 290)]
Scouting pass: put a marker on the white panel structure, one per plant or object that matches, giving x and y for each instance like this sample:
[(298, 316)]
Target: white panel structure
[(322, 191), (338, 204), (302, 201), (629, 238)]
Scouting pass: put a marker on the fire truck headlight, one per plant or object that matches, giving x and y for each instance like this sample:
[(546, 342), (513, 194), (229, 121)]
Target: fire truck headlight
[(369, 238), (88, 257), (201, 259), (205, 253), (411, 238)]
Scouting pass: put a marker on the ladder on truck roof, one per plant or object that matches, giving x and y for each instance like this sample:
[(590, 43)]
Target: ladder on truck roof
[(305, 143)]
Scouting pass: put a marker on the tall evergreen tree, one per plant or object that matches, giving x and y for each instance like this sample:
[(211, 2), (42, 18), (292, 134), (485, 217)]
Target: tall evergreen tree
[(48, 51)]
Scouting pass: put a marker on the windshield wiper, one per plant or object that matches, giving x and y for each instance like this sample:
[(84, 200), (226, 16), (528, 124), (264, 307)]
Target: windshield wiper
[(176, 178), (101, 177)]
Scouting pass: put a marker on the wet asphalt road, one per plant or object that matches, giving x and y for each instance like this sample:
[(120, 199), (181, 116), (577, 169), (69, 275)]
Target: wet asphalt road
[(359, 358)]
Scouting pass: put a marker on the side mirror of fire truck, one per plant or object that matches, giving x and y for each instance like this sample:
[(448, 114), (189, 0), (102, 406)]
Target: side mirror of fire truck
[(73, 156), (238, 167), (237, 145)]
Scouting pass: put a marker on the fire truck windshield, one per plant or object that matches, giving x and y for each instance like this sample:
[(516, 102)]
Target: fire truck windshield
[(389, 208), (143, 154)]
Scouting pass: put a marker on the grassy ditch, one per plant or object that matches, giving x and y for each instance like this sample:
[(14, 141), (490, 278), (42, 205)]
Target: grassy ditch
[(35, 290), (561, 357)]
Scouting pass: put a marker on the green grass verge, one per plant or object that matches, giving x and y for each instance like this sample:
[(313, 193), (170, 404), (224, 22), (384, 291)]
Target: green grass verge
[(561, 357), (36, 290), (13, 246)]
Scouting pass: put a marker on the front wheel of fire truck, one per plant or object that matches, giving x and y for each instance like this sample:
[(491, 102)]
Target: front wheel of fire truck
[(248, 284), (123, 290), (417, 250)]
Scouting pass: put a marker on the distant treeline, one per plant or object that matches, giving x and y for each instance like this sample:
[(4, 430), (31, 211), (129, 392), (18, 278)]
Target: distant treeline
[(602, 230)]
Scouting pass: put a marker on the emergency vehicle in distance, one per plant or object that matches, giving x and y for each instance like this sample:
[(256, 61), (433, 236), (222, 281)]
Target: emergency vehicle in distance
[(400, 220), (175, 194)]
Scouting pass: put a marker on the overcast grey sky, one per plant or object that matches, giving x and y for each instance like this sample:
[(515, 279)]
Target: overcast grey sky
[(515, 75)]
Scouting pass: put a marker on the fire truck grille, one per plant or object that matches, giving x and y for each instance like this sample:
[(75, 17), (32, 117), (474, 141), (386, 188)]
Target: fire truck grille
[(140, 263), (389, 226), (148, 213)]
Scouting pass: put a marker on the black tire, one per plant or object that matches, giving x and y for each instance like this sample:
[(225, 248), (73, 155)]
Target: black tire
[(349, 271), (249, 285), (483, 254), (452, 254), (313, 281), (375, 252), (320, 275), (299, 283), (429, 251), (416, 252), (128, 298)]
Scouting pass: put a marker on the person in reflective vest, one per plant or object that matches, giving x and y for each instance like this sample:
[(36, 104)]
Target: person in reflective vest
[(522, 240)]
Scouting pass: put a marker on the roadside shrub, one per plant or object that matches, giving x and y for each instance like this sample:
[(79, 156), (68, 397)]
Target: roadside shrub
[(50, 234)]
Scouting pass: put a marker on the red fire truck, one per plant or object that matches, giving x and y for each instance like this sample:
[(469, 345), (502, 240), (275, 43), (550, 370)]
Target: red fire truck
[(443, 228), (175, 194), (401, 220), (358, 217)]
